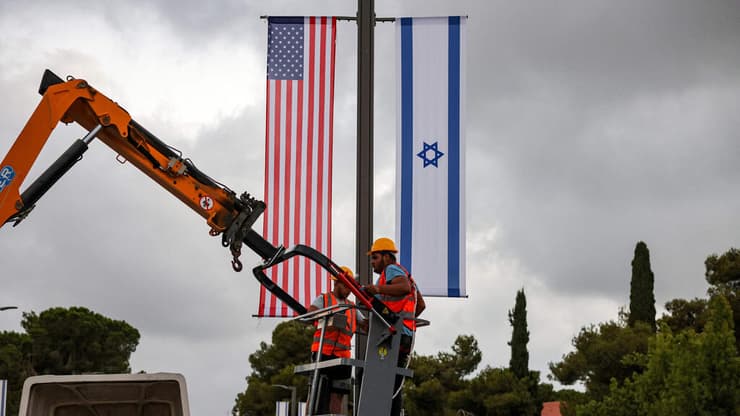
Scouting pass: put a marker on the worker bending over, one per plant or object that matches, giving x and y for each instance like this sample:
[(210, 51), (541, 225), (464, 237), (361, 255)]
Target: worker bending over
[(337, 344)]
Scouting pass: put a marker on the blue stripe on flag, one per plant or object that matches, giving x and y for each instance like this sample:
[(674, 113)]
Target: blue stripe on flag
[(407, 141), (453, 178)]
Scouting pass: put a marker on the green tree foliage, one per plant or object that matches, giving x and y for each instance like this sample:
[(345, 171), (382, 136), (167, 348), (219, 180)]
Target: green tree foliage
[(274, 364), (499, 392), (76, 340), (642, 298), (720, 376), (438, 377), (569, 399), (599, 353), (519, 362), (64, 341), (686, 374), (15, 365), (684, 314), (723, 274), (443, 384), (724, 271)]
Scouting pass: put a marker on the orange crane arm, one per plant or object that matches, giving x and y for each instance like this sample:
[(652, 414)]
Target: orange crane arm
[(230, 216), (74, 100)]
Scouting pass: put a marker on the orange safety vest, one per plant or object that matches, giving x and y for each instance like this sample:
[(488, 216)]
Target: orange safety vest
[(337, 342), (405, 305)]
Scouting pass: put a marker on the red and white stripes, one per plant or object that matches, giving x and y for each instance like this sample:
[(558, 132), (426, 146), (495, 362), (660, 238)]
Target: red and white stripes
[(298, 167)]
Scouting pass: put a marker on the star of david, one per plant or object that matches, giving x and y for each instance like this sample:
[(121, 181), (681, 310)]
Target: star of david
[(433, 148)]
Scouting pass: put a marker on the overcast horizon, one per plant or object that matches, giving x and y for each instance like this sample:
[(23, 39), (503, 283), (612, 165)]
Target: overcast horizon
[(590, 126)]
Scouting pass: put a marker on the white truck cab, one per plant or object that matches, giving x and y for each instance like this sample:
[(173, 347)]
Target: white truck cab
[(156, 394)]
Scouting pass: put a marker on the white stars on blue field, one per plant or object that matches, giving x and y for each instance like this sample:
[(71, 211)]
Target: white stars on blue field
[(285, 48)]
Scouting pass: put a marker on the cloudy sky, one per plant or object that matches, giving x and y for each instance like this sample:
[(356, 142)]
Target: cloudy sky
[(591, 125)]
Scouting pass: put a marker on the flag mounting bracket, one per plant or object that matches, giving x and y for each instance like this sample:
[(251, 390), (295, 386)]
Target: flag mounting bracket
[(349, 18)]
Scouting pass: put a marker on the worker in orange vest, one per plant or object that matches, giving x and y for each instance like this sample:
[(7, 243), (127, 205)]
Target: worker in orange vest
[(399, 292), (337, 344)]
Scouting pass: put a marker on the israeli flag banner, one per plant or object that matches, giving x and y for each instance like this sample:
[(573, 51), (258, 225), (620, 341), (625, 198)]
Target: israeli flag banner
[(430, 157)]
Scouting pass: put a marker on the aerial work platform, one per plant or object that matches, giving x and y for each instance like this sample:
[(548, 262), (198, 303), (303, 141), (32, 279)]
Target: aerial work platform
[(375, 375)]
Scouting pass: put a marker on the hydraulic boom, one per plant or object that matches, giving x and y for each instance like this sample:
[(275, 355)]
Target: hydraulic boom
[(74, 100), (228, 215)]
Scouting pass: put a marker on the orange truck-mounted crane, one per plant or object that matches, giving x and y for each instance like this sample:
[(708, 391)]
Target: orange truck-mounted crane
[(228, 215)]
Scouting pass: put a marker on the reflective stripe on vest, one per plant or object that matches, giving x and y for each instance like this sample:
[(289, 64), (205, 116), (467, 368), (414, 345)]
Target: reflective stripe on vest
[(404, 306), (337, 342)]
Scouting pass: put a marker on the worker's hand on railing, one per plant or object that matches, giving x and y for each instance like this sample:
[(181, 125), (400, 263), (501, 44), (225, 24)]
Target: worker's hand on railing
[(371, 289), (363, 325)]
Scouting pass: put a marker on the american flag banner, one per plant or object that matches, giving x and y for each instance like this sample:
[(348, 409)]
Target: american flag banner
[(298, 153)]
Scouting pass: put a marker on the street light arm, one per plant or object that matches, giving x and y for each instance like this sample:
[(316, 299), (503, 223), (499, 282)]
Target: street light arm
[(5, 308), (293, 402)]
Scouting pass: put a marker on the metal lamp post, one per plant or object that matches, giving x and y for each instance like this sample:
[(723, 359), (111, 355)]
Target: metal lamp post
[(4, 383), (293, 402)]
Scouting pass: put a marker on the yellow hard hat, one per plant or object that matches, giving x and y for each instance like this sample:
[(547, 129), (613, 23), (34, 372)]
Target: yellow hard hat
[(346, 270), (383, 244)]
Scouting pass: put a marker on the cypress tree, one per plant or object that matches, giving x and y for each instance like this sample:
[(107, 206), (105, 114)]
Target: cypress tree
[(519, 363), (642, 297)]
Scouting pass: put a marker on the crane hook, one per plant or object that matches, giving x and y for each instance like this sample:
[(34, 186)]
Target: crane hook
[(236, 251), (236, 265)]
